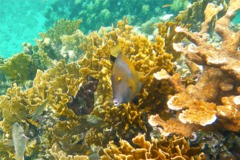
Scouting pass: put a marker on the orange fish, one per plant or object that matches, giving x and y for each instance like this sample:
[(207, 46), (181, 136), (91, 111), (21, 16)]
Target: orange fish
[(125, 81)]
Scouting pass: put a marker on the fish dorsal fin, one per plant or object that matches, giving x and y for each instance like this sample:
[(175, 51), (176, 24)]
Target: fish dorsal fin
[(116, 50)]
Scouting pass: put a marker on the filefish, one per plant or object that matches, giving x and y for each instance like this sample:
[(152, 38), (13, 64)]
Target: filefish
[(125, 81), (19, 141)]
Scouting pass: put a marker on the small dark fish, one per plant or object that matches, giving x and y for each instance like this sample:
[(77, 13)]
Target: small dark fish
[(125, 81), (19, 141)]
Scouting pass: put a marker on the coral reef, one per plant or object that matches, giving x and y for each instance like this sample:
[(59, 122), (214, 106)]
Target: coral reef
[(65, 105), (60, 42), (218, 145), (215, 95), (141, 52), (103, 13), (60, 86), (4, 82)]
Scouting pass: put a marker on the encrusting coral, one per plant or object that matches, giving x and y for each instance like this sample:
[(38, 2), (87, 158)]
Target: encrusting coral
[(216, 94)]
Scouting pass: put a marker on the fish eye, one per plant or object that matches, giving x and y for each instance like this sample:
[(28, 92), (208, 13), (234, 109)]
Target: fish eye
[(119, 78), (115, 102)]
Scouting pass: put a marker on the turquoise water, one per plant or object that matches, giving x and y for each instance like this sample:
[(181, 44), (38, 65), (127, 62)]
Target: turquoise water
[(21, 21)]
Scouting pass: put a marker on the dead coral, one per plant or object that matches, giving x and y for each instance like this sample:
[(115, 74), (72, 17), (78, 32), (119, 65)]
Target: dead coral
[(213, 94)]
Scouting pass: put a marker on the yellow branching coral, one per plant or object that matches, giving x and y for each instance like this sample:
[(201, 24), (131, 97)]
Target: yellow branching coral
[(17, 69), (175, 148), (147, 57), (55, 85), (220, 77), (167, 31), (58, 87)]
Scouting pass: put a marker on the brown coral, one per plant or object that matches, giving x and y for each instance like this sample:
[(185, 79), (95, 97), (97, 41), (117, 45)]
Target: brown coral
[(220, 77), (171, 126)]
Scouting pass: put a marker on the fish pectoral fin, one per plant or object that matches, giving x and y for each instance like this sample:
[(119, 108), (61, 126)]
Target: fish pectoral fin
[(140, 75)]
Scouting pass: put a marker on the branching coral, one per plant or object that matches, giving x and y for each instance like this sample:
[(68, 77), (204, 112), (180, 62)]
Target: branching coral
[(56, 85), (215, 95), (60, 84), (147, 57), (167, 31), (194, 16), (61, 41), (175, 148), (17, 70)]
